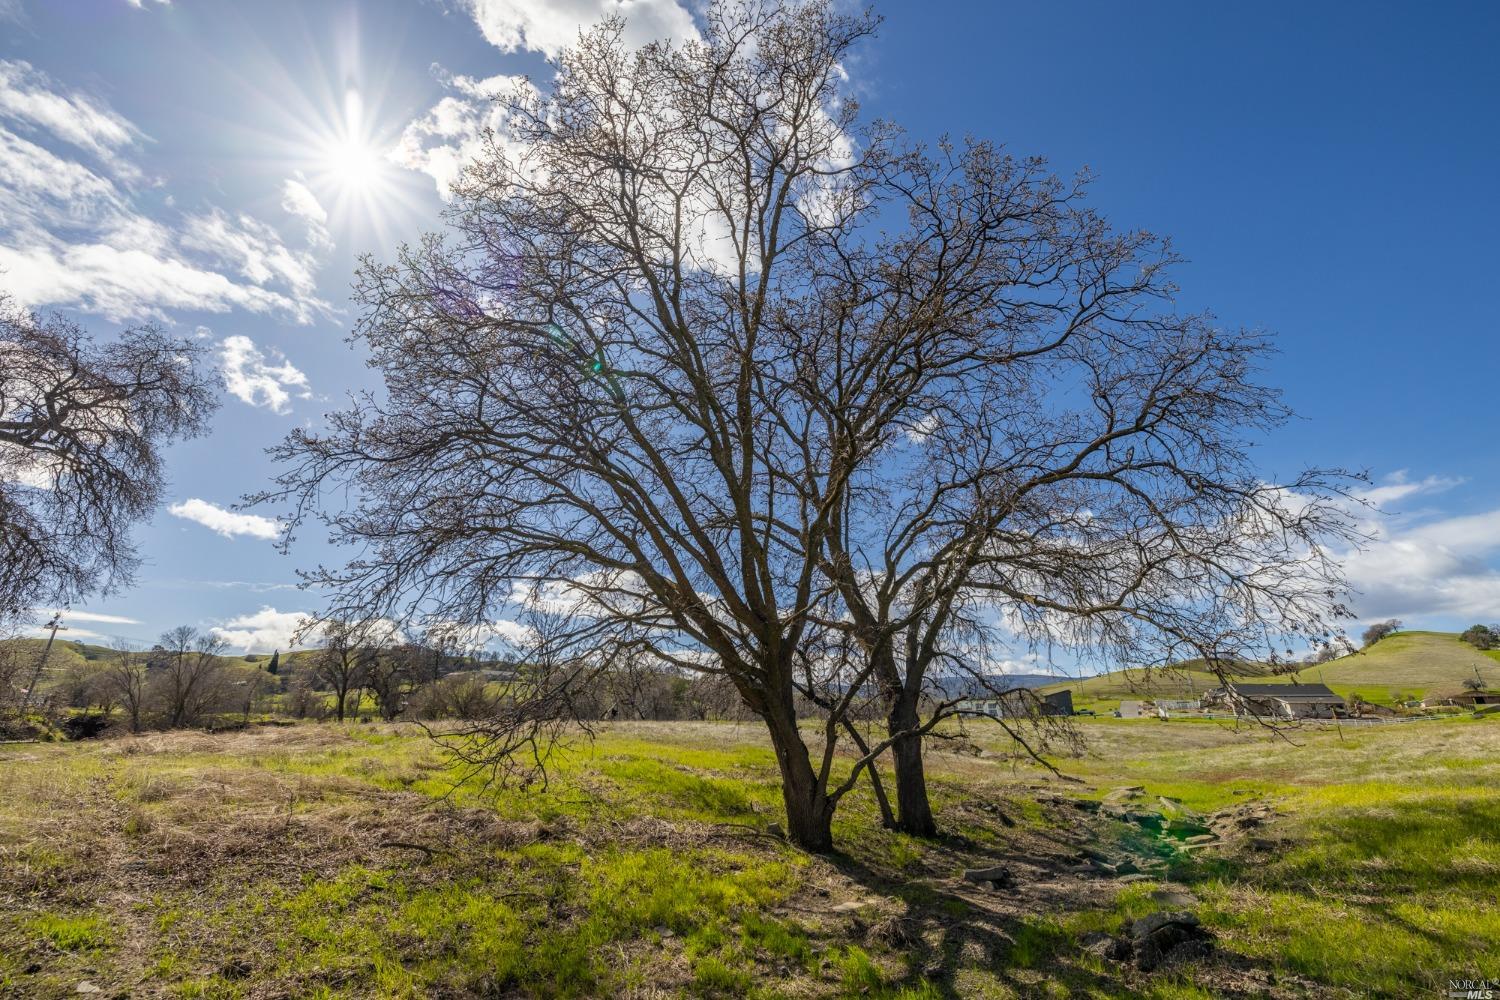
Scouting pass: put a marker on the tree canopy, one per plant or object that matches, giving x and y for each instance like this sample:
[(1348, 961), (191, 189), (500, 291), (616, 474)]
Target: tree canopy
[(82, 429)]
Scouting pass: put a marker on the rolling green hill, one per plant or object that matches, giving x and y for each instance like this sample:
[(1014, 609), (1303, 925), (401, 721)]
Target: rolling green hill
[(1408, 663)]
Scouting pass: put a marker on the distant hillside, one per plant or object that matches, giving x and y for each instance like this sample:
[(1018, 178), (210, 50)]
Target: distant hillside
[(950, 686), (66, 651), (1408, 663)]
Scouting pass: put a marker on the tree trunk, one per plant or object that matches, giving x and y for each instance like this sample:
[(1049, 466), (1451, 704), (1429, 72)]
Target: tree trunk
[(887, 818), (914, 811), (809, 814)]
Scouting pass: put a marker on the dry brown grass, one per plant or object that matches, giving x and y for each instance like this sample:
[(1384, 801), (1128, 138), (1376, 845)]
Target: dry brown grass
[(309, 850)]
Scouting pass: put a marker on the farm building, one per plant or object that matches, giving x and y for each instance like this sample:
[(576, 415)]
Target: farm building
[(1015, 704), (1284, 701)]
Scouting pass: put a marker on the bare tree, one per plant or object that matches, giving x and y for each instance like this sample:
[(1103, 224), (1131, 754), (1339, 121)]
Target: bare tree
[(343, 663), (670, 390), (576, 409), (189, 683), (394, 674), (457, 696), (126, 675), (82, 427), (13, 664), (1051, 454)]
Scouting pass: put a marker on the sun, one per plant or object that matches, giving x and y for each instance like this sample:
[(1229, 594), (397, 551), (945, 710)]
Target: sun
[(347, 162), (350, 157), (341, 141), (352, 165)]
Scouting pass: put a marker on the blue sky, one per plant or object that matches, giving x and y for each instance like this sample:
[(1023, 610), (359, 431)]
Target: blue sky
[(1328, 170)]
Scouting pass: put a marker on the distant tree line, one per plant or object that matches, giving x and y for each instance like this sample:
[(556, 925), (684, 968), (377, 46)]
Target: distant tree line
[(187, 679)]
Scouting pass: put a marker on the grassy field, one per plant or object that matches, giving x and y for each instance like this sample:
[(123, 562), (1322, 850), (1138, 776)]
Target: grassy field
[(318, 861), (1409, 664)]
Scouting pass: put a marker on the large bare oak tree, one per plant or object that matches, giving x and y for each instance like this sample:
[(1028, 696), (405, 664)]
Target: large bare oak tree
[(705, 376)]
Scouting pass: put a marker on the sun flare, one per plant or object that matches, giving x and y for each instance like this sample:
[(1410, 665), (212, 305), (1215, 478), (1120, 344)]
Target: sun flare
[(352, 164), (350, 156)]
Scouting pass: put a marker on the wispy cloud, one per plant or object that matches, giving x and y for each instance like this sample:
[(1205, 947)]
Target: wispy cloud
[(74, 232), (1424, 566), (298, 200), (72, 633), (31, 99), (1399, 485), (85, 616), (230, 524), (253, 377), (253, 586)]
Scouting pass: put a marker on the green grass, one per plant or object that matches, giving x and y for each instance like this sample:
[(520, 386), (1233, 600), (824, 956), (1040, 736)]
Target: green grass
[(71, 933), (639, 871), (1386, 838)]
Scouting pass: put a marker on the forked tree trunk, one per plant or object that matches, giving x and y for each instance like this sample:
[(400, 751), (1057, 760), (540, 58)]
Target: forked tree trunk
[(809, 814), (913, 810)]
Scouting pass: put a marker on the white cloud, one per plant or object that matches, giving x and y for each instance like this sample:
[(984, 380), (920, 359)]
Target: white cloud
[(1442, 568), (73, 234), (36, 177), (512, 634), (298, 200), (548, 26), (252, 248), (451, 134), (1398, 486), (263, 631), (85, 616), (70, 635), (1421, 565), (251, 377), (225, 522), (31, 99), (122, 284)]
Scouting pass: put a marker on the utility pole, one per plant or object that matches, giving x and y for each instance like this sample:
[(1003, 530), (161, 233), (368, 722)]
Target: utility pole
[(56, 626)]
